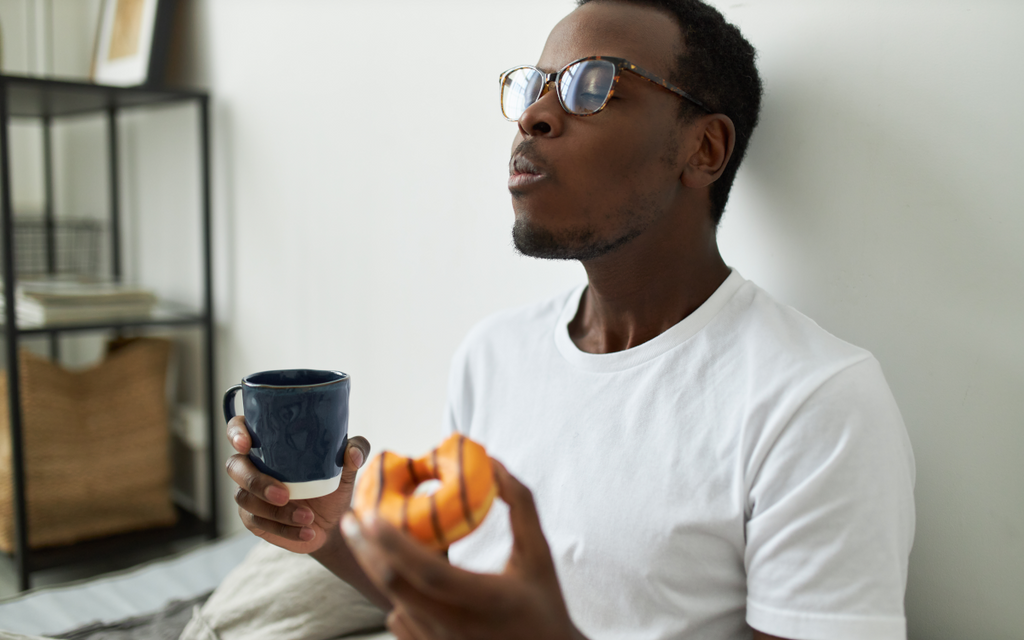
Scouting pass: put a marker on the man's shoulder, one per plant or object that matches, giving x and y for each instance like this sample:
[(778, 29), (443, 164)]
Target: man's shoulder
[(785, 341)]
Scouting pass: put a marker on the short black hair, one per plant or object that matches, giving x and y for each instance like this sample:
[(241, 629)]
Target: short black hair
[(716, 67)]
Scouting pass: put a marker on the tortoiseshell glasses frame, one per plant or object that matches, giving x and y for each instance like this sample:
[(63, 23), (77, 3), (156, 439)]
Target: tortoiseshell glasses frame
[(621, 64)]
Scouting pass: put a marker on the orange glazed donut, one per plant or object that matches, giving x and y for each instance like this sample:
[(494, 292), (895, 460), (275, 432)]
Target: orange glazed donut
[(388, 483)]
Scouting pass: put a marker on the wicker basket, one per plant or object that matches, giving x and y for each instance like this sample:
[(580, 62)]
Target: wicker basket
[(95, 447)]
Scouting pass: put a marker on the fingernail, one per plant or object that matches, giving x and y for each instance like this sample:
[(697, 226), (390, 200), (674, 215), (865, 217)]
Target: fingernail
[(350, 527), (302, 516), (307, 534), (236, 441), (277, 495), (357, 457)]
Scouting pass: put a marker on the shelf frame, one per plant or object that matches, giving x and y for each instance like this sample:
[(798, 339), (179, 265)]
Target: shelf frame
[(164, 315), (47, 99)]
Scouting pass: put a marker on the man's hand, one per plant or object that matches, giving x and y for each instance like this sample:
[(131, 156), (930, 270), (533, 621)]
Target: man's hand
[(300, 526), (434, 600)]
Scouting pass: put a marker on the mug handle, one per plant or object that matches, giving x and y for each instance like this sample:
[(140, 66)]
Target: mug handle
[(229, 402)]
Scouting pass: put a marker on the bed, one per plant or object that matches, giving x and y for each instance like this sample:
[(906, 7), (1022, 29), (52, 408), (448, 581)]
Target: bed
[(234, 588)]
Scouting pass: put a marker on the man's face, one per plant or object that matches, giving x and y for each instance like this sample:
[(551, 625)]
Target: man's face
[(601, 180)]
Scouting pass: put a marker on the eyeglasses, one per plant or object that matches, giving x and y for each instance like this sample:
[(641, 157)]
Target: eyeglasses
[(584, 86)]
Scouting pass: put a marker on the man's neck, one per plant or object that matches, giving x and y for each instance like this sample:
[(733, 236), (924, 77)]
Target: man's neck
[(645, 287)]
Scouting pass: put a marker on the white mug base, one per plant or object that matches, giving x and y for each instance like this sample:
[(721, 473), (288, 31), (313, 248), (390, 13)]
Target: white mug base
[(312, 488)]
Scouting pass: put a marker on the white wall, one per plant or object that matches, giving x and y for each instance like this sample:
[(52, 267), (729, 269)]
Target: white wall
[(879, 197), (882, 199), (355, 232)]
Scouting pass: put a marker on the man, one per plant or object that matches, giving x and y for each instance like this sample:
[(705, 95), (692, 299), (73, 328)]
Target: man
[(706, 462)]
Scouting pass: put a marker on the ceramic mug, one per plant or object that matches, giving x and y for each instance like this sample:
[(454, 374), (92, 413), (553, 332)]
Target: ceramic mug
[(298, 422)]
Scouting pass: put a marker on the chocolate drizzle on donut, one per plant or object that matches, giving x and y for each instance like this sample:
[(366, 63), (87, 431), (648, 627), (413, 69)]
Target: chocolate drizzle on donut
[(405, 514), (380, 491), (405, 501), (435, 521), (462, 486)]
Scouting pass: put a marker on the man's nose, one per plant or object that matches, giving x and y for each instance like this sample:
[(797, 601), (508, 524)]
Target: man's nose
[(545, 117)]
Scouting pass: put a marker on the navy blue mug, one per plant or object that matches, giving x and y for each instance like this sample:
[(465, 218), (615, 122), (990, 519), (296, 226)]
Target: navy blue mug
[(298, 422)]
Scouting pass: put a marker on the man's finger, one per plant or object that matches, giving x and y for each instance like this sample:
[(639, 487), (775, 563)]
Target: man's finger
[(425, 613), (357, 452), (292, 514), (247, 476), (259, 526), (404, 627), (528, 541), (399, 625), (238, 435), (425, 570), (368, 555)]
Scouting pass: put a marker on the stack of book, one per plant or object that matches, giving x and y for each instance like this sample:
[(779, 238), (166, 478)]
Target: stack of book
[(62, 301)]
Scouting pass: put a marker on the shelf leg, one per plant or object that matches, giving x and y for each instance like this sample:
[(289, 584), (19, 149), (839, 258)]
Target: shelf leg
[(21, 549), (49, 220), (214, 468), (115, 200)]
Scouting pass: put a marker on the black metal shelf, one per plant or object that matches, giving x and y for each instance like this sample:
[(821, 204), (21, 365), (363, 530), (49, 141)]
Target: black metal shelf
[(97, 549), (48, 100), (38, 97), (164, 315)]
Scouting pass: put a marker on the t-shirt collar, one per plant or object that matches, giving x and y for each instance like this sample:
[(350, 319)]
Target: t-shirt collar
[(671, 338)]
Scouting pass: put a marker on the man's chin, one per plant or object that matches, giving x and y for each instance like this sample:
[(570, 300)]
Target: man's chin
[(540, 245), (572, 244)]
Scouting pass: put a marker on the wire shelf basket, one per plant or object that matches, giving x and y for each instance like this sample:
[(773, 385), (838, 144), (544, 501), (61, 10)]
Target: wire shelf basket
[(76, 247)]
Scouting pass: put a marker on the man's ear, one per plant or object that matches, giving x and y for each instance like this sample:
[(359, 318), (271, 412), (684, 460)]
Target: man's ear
[(710, 141)]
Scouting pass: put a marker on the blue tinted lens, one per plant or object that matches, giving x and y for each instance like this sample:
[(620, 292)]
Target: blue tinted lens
[(584, 86)]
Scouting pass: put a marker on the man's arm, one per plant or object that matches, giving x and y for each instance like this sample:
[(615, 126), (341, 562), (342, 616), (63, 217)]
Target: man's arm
[(833, 497)]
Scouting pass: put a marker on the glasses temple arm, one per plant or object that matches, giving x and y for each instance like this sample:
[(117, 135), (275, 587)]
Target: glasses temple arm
[(650, 77)]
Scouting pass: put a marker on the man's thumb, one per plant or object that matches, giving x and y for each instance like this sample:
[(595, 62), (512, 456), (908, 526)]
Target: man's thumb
[(529, 547), (356, 453)]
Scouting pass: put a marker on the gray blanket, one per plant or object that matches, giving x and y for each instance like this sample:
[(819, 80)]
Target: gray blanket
[(271, 595), (166, 624)]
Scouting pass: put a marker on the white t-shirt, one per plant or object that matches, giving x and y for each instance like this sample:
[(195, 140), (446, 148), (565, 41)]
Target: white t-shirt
[(745, 466)]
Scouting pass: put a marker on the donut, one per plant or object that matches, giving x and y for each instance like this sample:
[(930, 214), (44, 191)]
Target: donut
[(387, 487)]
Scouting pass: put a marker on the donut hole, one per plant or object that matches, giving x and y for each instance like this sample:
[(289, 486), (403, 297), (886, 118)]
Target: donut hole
[(427, 488)]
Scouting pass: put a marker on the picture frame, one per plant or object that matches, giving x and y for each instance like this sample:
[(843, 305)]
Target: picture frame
[(131, 42)]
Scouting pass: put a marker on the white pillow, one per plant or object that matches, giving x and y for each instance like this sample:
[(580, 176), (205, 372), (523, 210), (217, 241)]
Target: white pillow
[(278, 595)]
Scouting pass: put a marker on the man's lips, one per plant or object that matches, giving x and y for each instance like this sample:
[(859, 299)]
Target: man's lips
[(522, 172)]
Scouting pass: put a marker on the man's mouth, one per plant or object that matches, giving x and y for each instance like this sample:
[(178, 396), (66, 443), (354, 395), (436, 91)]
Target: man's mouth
[(522, 172)]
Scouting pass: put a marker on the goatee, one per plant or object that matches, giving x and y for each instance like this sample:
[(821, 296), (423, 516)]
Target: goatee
[(575, 244)]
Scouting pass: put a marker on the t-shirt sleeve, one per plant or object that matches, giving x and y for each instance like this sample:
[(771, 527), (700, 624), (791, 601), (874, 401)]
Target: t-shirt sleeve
[(831, 515), (458, 403)]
